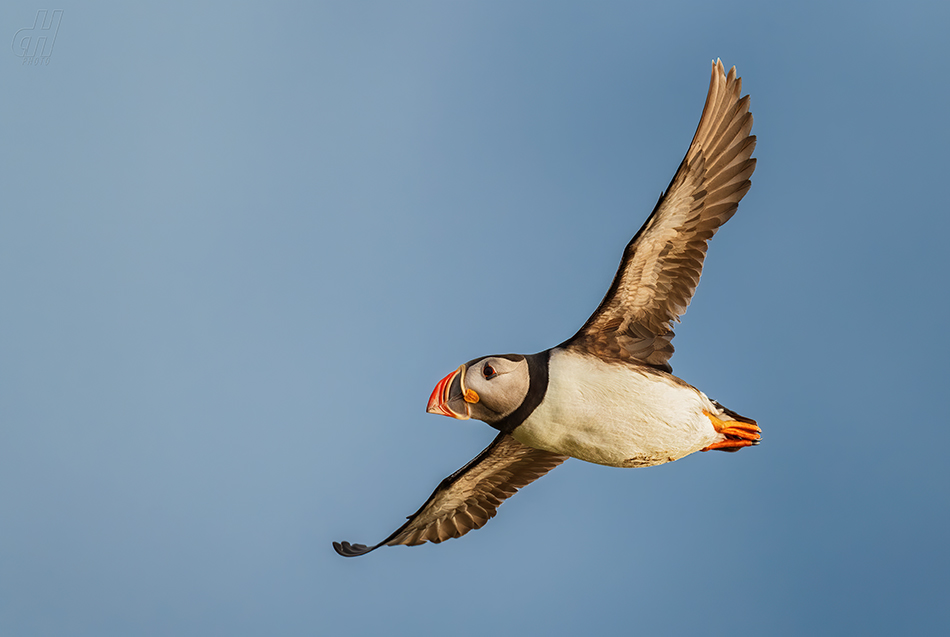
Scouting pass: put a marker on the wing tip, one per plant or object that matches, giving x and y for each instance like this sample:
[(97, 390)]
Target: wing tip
[(719, 71), (351, 550)]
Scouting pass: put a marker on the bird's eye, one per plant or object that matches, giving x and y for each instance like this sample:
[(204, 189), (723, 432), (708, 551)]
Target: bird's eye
[(488, 371)]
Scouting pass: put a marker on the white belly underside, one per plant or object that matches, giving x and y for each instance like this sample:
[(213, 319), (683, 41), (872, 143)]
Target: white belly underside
[(616, 414)]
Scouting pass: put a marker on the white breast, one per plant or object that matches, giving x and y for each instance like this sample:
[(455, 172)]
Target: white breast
[(617, 414)]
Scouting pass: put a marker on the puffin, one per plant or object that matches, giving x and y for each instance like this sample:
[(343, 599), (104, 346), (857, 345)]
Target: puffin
[(606, 395)]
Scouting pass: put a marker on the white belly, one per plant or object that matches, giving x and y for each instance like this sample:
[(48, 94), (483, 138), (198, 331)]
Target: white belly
[(617, 414)]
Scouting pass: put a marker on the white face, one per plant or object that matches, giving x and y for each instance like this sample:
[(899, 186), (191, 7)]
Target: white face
[(501, 383)]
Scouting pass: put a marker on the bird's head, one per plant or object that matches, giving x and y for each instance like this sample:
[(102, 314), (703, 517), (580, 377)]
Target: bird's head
[(487, 389)]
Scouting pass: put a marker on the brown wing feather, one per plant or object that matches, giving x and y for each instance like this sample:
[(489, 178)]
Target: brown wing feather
[(468, 498), (662, 263)]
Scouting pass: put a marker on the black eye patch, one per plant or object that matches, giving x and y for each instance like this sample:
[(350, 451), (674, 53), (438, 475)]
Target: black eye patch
[(488, 371)]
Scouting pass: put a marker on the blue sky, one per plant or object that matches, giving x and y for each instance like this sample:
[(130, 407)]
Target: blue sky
[(239, 245)]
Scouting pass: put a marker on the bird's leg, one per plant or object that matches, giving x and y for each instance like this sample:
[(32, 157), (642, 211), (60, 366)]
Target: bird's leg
[(738, 434)]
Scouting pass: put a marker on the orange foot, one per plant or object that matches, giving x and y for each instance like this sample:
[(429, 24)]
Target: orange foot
[(739, 434)]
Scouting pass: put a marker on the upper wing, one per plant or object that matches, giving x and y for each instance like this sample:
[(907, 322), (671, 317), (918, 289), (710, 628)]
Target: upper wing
[(662, 263), (468, 498)]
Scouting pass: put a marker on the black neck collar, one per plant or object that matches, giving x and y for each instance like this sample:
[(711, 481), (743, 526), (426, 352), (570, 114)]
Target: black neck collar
[(537, 387)]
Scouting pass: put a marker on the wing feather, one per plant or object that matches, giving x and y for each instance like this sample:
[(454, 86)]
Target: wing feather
[(468, 498), (662, 264)]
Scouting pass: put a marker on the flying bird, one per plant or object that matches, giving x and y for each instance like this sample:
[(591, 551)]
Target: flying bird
[(606, 395)]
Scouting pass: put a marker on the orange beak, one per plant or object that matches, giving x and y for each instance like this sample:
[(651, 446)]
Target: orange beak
[(439, 400)]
